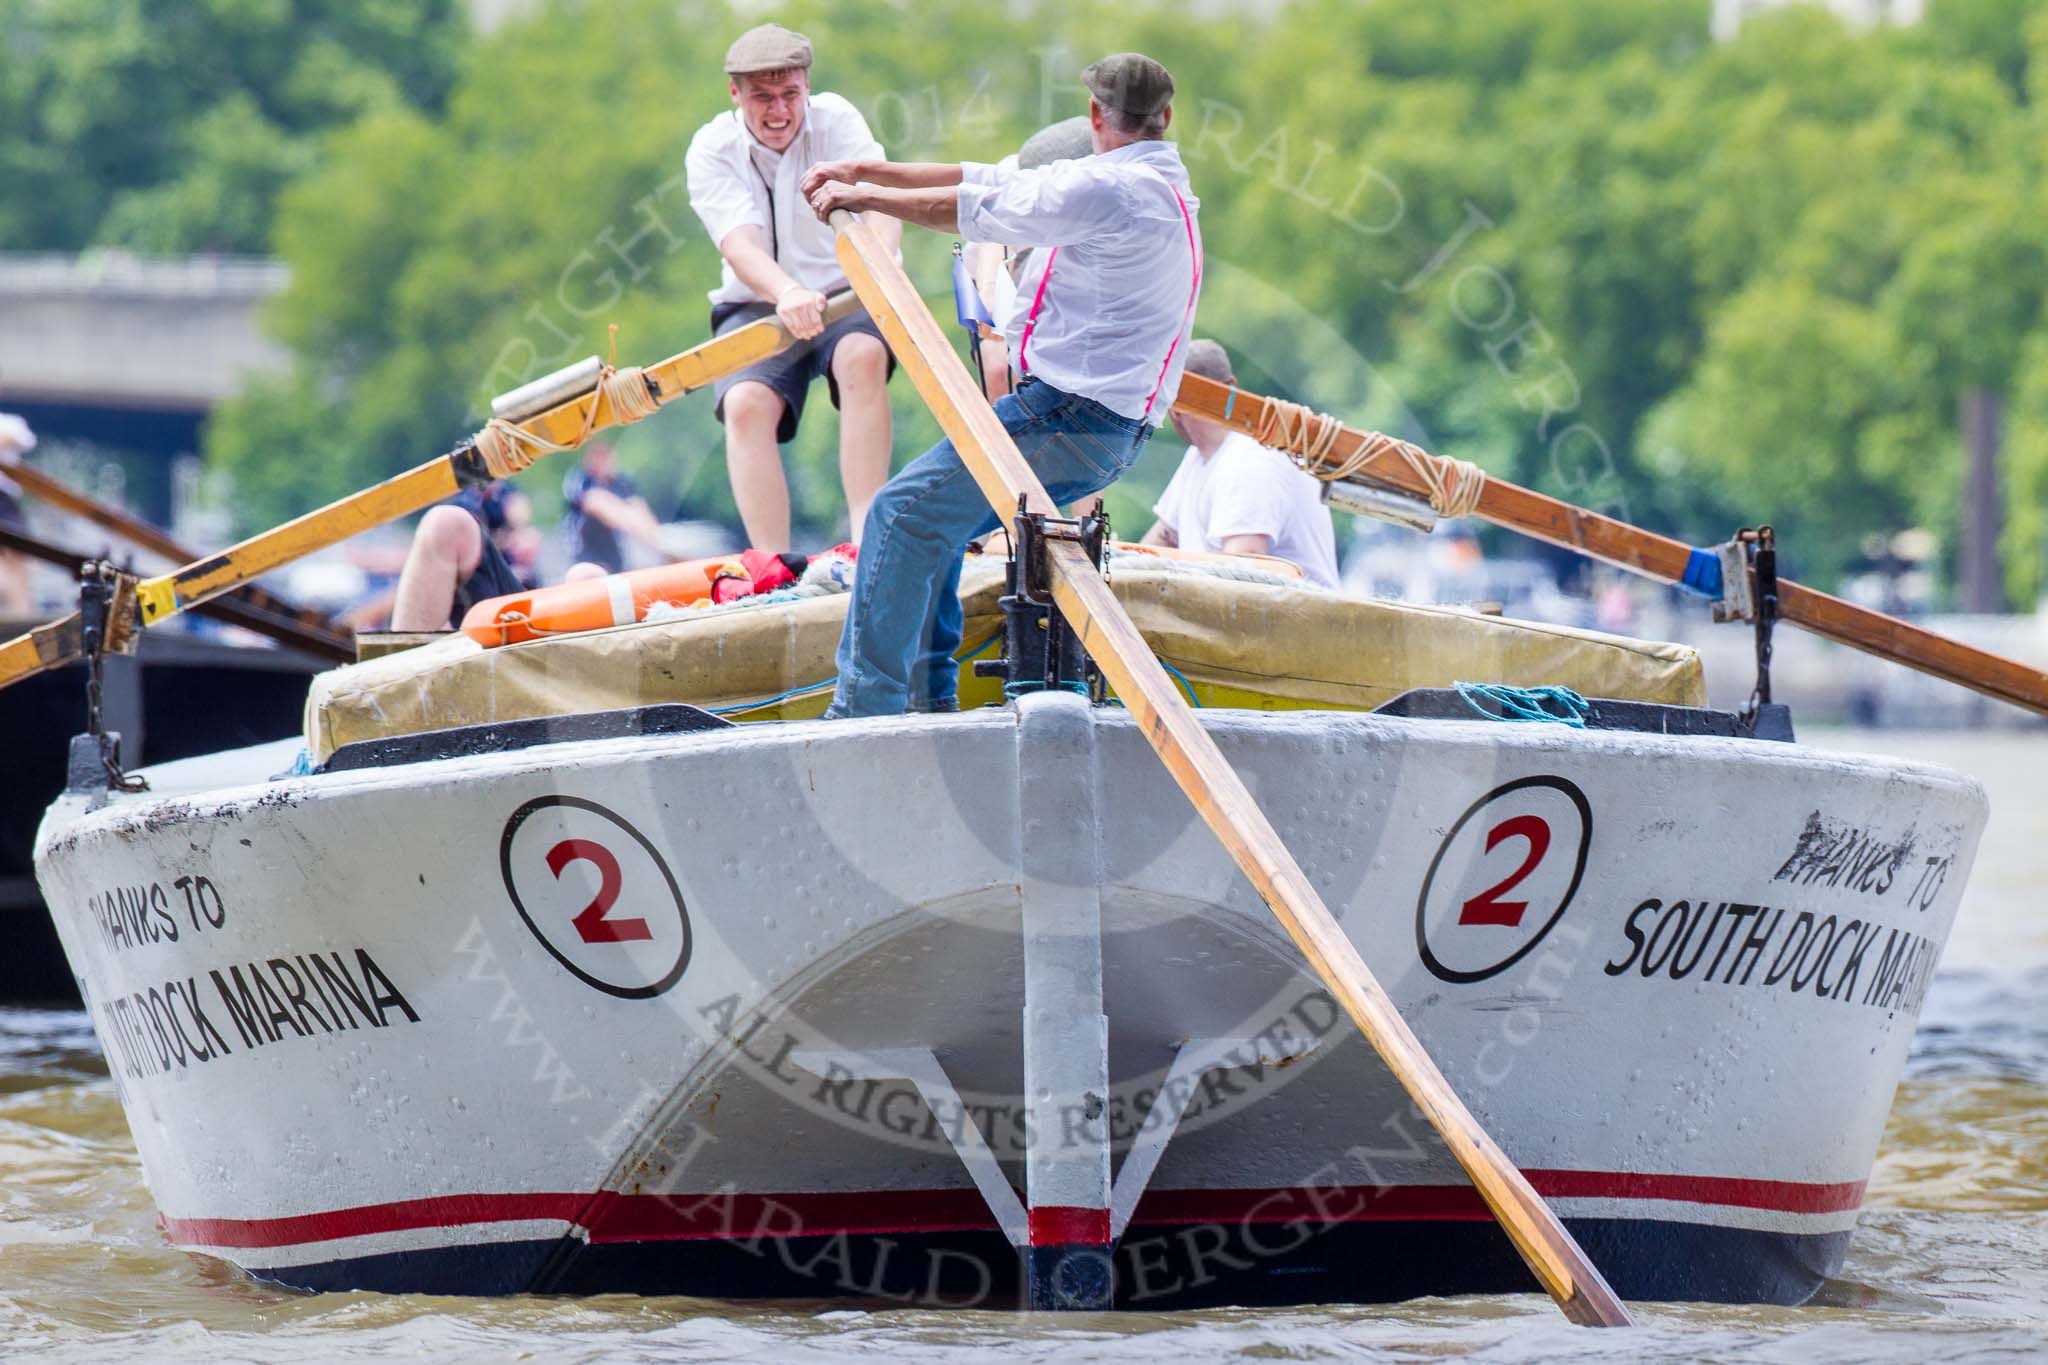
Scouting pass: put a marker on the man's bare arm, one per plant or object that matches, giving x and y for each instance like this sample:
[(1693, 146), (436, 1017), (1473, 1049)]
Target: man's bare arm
[(1247, 545), (801, 310), (899, 175), (1162, 534), (889, 231), (936, 208)]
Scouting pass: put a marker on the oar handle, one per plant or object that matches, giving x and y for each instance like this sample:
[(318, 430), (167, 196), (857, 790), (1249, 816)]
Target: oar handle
[(840, 306)]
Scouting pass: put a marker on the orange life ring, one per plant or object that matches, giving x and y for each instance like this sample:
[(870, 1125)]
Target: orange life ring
[(617, 599), (620, 599)]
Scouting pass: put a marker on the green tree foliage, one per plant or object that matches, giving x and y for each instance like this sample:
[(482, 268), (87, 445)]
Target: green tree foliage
[(1698, 284), (171, 125)]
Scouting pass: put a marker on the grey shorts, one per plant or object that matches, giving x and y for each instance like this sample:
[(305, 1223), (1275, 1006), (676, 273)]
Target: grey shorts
[(790, 373)]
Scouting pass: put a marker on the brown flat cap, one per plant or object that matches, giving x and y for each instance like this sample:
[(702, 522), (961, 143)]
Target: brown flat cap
[(1130, 83), (771, 47)]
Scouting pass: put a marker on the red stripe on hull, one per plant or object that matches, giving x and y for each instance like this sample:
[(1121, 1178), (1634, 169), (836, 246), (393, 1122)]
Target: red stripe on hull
[(744, 1217), (1058, 1225), (1784, 1196), (452, 1210)]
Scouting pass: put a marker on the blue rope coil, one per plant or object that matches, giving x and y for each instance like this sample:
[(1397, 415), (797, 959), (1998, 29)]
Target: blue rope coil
[(1527, 703)]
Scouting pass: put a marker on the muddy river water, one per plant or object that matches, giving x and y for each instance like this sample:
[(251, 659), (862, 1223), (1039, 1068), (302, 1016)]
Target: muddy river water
[(1950, 1259)]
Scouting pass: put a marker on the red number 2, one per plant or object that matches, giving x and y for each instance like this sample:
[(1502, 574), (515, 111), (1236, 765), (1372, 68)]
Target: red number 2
[(1485, 908), (590, 921)]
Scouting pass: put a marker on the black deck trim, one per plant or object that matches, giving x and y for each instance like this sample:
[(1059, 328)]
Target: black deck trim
[(496, 737), (1773, 722)]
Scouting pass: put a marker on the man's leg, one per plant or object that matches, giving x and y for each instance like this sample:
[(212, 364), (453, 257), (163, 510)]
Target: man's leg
[(445, 551), (754, 463), (1071, 466), (860, 370), (916, 529)]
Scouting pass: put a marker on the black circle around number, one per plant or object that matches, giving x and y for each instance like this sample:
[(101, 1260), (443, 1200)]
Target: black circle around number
[(1429, 959), (519, 817)]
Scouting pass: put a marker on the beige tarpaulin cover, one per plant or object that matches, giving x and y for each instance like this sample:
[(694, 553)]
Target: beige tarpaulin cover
[(1255, 644)]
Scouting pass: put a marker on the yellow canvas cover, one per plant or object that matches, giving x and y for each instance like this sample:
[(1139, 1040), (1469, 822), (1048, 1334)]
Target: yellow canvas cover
[(1239, 643)]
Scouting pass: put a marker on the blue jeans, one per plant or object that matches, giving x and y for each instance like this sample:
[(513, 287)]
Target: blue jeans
[(904, 622)]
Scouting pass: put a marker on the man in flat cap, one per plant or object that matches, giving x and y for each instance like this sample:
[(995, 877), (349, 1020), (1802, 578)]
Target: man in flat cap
[(1098, 334), (744, 168)]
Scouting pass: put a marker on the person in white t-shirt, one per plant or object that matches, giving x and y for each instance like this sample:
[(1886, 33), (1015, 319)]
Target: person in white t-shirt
[(1233, 496), (743, 170)]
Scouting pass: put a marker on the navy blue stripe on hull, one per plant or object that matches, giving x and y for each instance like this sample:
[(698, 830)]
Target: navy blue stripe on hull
[(1194, 1266)]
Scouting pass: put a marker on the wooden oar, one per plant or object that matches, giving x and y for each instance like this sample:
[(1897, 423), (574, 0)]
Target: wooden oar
[(565, 424), (57, 493), (1654, 556), (54, 491), (237, 608), (1207, 778)]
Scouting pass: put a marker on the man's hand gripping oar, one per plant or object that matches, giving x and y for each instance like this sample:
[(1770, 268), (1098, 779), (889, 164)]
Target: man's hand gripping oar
[(505, 446), (1202, 772)]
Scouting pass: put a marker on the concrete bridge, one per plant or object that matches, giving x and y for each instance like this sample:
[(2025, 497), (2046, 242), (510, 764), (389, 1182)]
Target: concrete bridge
[(131, 352)]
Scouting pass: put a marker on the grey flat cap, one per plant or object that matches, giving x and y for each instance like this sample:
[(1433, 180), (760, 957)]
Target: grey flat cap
[(1130, 83), (1067, 140), (771, 47)]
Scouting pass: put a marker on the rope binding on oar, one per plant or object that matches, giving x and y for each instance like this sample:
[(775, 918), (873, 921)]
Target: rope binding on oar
[(1454, 486), (506, 448)]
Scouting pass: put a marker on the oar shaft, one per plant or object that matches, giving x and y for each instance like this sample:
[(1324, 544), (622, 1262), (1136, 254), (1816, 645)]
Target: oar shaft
[(422, 486), (47, 488), (1934, 654), (1615, 542), (563, 424), (57, 493), (1200, 769), (242, 607), (47, 646)]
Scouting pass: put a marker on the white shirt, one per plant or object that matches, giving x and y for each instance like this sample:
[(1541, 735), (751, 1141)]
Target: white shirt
[(1122, 280), (735, 180), (1005, 285), (1246, 489)]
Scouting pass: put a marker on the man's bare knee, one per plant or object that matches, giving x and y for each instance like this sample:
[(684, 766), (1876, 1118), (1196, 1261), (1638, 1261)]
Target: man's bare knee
[(583, 570), (452, 536), (860, 362), (752, 407)]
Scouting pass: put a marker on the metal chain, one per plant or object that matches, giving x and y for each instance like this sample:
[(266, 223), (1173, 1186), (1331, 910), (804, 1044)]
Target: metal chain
[(1762, 550), (97, 594)]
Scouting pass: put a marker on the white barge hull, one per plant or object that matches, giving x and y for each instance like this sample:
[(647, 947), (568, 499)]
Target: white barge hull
[(866, 1008)]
